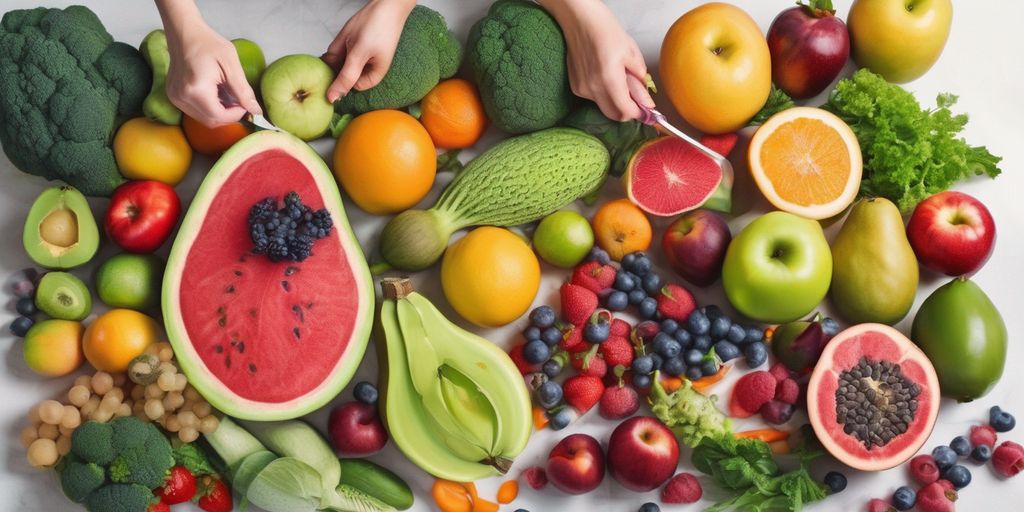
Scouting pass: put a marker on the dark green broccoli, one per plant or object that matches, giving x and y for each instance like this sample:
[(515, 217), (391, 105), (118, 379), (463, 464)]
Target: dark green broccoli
[(65, 87), (137, 458), (516, 56), (426, 54)]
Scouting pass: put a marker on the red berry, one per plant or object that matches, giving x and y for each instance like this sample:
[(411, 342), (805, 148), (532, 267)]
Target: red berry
[(578, 303), (159, 507), (983, 434), (934, 497), (621, 327), (179, 487), (752, 391), (572, 340), (618, 402), (923, 469), (217, 498), (682, 488), (1008, 459), (776, 412), (675, 302), (582, 392), (787, 391), (594, 276), (594, 366), (877, 505), (647, 330), (617, 351), (536, 477), (946, 484), (780, 372)]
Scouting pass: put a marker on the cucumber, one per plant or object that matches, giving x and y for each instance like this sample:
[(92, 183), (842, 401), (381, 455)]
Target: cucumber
[(517, 181), (372, 480)]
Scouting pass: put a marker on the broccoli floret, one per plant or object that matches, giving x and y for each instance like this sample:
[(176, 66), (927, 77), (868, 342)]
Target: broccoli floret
[(120, 498), (146, 458), (93, 442), (516, 57), (194, 459), (65, 87), (79, 479), (426, 54), (129, 433)]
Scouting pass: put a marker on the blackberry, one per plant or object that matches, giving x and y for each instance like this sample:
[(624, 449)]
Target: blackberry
[(286, 233)]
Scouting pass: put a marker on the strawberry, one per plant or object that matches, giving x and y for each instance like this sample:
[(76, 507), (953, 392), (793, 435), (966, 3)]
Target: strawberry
[(787, 391), (179, 487), (582, 392), (617, 351), (618, 402), (217, 498), (682, 488), (572, 340), (159, 507), (594, 276), (621, 327), (675, 302), (588, 364), (536, 477), (524, 366), (578, 303)]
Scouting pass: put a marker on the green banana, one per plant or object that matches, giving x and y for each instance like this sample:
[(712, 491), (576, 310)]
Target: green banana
[(463, 406)]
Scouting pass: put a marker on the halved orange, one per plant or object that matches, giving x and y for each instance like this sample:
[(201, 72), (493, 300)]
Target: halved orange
[(806, 161)]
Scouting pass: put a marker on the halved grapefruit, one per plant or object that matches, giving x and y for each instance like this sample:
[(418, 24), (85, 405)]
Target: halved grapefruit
[(668, 176)]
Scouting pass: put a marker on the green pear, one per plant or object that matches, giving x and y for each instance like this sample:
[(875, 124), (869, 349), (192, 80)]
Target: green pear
[(874, 270)]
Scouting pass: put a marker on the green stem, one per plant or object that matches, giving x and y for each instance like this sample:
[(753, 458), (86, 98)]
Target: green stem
[(818, 8), (380, 267)]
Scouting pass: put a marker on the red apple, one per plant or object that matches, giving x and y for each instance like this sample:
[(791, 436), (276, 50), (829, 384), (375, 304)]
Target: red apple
[(576, 464), (355, 429), (809, 47), (642, 453), (952, 232), (695, 246), (142, 215)]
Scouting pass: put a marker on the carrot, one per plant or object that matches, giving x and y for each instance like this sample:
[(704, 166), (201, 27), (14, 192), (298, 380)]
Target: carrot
[(451, 496), (706, 382), (479, 504), (768, 435), (780, 447), (540, 418), (508, 491), (670, 383)]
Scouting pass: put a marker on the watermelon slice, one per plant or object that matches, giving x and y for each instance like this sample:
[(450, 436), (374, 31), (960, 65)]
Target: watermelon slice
[(259, 339), (668, 176)]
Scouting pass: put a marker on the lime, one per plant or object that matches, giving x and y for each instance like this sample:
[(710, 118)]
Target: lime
[(130, 281), (563, 238), (252, 59)]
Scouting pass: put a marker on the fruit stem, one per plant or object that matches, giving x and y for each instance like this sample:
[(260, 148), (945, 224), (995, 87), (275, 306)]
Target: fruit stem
[(502, 464), (380, 267), (396, 288), (818, 8)]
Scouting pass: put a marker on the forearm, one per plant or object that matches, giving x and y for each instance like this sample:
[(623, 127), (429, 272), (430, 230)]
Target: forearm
[(178, 16), (407, 4), (567, 10)]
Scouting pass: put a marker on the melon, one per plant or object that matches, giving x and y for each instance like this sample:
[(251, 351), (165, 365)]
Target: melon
[(668, 176), (263, 339), (873, 397)]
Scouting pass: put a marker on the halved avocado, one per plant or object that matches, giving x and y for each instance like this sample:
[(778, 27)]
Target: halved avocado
[(60, 231)]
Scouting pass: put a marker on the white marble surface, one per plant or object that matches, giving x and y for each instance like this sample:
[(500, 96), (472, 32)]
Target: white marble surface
[(981, 63)]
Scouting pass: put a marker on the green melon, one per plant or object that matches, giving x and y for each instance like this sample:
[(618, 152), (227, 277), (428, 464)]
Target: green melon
[(265, 340)]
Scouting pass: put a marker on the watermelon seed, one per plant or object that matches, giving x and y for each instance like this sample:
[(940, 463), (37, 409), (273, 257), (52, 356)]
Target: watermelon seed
[(238, 273), (297, 333), (240, 347), (241, 259), (291, 270), (298, 311), (227, 361), (230, 289), (222, 321), (252, 312), (218, 349), (309, 306), (286, 285), (252, 368)]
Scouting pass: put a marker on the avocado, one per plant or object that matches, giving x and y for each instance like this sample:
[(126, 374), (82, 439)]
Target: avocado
[(60, 231), (64, 296), (157, 106)]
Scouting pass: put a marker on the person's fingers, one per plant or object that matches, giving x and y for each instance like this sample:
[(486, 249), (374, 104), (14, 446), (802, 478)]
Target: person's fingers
[(638, 91), (339, 46), (234, 78), (347, 77), (618, 95), (333, 60), (210, 111), (373, 73)]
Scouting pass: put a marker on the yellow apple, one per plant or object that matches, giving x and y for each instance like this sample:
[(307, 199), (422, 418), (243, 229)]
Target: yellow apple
[(899, 39), (715, 67)]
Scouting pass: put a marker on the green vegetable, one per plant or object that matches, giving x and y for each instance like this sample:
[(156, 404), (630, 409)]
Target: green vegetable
[(777, 101), (621, 139), (517, 181), (744, 467), (426, 54), (157, 105), (909, 153), (113, 466), (374, 480), (516, 57), (193, 458), (65, 87)]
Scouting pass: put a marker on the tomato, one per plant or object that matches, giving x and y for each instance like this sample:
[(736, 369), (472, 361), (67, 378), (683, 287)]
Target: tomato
[(142, 215)]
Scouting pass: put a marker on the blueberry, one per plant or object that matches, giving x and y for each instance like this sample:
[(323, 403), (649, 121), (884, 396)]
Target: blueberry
[(523, 509), (961, 446), (643, 365), (684, 338), (719, 327), (693, 357), (536, 352), (944, 456), (25, 307), (365, 393), (698, 323), (754, 335), (628, 261), (552, 368), (669, 326), (560, 419), (957, 475), (709, 367), (549, 394), (641, 381), (904, 498), (666, 346), (641, 264), (532, 333), (551, 336), (694, 373), (637, 296), (674, 366), (657, 361), (21, 325), (652, 283), (597, 332), (756, 354), (650, 507), (543, 317), (737, 334), (712, 311), (726, 350), (702, 343), (1001, 420), (617, 301), (648, 308), (835, 482), (599, 255), (830, 326), (981, 453), (623, 282)]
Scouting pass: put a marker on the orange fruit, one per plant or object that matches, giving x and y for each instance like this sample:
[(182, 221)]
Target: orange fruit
[(453, 114), (385, 161), (116, 337), (212, 141), (806, 161), (620, 228), (148, 150)]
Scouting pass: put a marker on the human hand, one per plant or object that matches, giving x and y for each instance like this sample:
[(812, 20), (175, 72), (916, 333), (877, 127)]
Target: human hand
[(363, 49), (605, 63)]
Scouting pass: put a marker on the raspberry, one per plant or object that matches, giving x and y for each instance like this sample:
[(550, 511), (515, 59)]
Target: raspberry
[(983, 434), (682, 488), (787, 392), (923, 469), (754, 390), (1008, 459), (536, 477), (935, 497)]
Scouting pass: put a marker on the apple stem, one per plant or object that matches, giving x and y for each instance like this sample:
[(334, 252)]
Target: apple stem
[(818, 8)]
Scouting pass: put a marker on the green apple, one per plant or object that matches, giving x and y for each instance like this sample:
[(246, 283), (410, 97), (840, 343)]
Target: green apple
[(899, 39), (131, 281), (295, 92), (778, 268), (252, 59), (563, 238)]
